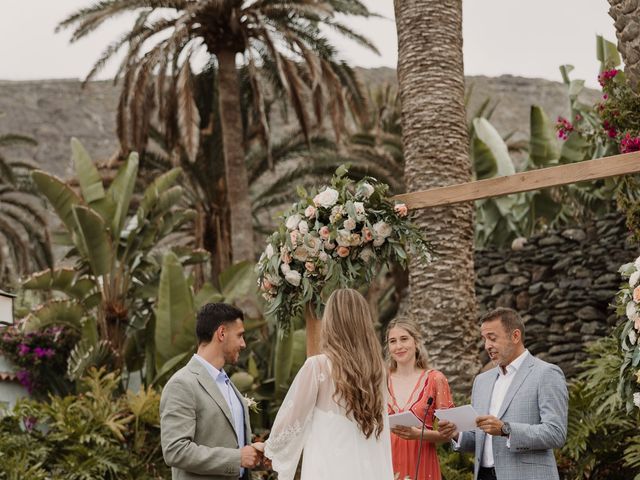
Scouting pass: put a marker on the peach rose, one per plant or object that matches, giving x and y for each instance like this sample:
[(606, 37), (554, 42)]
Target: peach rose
[(324, 232), (310, 266), (367, 235), (636, 294), (310, 211), (401, 209), (342, 251)]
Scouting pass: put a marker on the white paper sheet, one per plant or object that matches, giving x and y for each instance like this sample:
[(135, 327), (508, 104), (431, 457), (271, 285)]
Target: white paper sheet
[(404, 419), (464, 417)]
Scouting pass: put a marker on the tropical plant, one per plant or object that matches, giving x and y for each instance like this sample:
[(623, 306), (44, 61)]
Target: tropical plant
[(24, 238), (436, 151), (598, 425), (281, 42), (108, 291), (96, 434)]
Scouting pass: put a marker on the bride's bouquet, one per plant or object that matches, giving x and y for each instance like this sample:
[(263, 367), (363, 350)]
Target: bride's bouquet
[(333, 238)]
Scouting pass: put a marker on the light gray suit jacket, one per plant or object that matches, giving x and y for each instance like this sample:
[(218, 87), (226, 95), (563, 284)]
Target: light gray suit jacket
[(197, 432), (535, 406)]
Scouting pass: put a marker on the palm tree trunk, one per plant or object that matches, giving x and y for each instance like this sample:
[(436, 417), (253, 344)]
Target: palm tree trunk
[(431, 81), (234, 158), (626, 15)]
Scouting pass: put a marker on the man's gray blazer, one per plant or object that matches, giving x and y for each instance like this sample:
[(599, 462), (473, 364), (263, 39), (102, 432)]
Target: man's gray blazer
[(198, 438), (535, 406)]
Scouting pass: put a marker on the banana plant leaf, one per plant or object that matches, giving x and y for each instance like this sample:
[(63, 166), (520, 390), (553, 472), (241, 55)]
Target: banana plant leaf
[(93, 239), (60, 195), (120, 193), (544, 150), (57, 312)]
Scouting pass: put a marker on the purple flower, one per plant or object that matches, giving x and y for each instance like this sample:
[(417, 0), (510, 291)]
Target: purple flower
[(29, 423), (24, 377), (44, 352), (23, 350)]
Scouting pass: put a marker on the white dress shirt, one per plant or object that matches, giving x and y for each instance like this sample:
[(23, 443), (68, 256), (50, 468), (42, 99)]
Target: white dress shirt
[(497, 397)]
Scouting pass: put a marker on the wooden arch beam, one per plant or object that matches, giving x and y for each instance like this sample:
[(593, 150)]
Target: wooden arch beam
[(523, 182)]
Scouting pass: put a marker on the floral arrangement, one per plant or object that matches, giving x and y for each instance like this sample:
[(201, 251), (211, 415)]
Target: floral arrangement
[(333, 238), (628, 306), (39, 357)]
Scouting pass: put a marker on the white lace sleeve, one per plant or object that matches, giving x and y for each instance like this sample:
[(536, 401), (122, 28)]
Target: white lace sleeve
[(291, 426)]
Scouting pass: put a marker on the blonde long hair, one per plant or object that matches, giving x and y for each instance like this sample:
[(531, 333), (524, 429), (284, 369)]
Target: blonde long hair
[(412, 329), (357, 367)]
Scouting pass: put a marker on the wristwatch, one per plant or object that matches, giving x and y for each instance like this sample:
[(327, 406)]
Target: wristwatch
[(506, 429)]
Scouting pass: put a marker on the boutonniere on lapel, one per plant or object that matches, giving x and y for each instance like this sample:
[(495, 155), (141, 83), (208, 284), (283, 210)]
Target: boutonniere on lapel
[(252, 404)]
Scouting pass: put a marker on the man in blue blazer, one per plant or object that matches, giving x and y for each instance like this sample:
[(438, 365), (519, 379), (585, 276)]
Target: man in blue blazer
[(522, 404)]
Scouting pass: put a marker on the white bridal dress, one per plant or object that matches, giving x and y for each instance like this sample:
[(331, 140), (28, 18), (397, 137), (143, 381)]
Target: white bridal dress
[(334, 447)]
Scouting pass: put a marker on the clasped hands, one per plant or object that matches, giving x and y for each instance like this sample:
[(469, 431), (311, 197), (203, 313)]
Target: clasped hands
[(487, 423), (252, 456)]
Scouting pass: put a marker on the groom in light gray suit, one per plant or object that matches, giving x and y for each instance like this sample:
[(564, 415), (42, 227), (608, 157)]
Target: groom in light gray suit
[(522, 405), (204, 420)]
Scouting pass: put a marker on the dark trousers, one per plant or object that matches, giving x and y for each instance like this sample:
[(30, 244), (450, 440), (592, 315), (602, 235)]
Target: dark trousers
[(487, 474)]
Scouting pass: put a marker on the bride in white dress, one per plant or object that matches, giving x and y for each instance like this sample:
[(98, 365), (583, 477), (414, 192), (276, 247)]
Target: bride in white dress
[(335, 409)]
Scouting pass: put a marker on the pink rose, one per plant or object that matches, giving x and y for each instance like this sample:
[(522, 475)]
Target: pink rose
[(310, 211), (285, 256), (401, 209), (636, 294), (266, 285), (329, 245), (367, 235), (324, 232), (342, 251), (295, 235), (310, 266)]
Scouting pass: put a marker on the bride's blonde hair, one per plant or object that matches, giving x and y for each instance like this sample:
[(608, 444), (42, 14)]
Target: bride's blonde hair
[(357, 368)]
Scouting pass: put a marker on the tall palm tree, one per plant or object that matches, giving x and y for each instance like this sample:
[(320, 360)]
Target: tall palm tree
[(436, 151), (281, 38), (626, 15), (24, 238)]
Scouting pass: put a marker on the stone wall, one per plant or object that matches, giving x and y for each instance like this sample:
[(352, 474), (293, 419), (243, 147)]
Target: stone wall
[(563, 283)]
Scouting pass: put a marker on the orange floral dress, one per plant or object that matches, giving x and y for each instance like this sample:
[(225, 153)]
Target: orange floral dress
[(431, 384)]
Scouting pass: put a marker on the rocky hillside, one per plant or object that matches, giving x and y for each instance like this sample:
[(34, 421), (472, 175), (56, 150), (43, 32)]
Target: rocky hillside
[(53, 111)]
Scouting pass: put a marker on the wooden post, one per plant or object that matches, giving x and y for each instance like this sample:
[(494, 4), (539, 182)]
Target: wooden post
[(313, 329)]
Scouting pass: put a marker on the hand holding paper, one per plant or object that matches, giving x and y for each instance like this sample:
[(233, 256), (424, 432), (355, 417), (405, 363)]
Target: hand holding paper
[(464, 418), (404, 419)]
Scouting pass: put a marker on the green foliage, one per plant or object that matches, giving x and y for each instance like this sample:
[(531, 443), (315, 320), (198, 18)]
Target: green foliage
[(24, 239), (598, 423), (107, 296), (96, 434)]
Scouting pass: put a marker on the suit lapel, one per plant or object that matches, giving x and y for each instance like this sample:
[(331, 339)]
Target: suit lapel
[(205, 380), (484, 399), (522, 373)]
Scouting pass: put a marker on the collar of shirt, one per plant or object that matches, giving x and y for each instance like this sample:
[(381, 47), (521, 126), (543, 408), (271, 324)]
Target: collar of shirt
[(219, 376), (514, 365)]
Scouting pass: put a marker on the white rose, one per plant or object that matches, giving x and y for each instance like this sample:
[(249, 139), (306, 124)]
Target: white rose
[(349, 224), (360, 211), (343, 238), (293, 221), (293, 277), (327, 198), (336, 214), (310, 211), (303, 226), (637, 263), (636, 399), (633, 336), (366, 190), (633, 279), (285, 268), (323, 257), (378, 241), (313, 244), (382, 229), (301, 254), (274, 279), (632, 311), (366, 254), (355, 240), (269, 251)]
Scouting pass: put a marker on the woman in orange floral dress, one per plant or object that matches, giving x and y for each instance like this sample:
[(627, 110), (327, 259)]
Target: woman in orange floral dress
[(411, 384)]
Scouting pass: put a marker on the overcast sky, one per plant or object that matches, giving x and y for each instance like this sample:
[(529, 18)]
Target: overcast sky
[(517, 37)]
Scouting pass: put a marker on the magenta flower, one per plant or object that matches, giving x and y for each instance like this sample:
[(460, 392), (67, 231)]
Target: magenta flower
[(44, 352), (629, 144), (24, 378), (607, 75), (564, 128), (23, 350)]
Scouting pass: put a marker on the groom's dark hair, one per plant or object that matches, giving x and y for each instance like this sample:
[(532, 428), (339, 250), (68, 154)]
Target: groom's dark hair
[(212, 316), (509, 318)]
